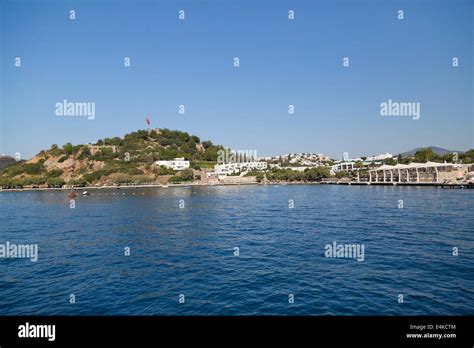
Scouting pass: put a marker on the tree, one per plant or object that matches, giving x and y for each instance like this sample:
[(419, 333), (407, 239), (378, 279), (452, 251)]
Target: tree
[(91, 177), (175, 179), (390, 161), (55, 173), (55, 182), (210, 154), (161, 170), (316, 174), (467, 157), (34, 168), (85, 152), (207, 144), (115, 141), (68, 148), (424, 155), (77, 182), (448, 157), (341, 174)]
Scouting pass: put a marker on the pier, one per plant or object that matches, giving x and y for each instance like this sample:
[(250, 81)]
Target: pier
[(432, 184)]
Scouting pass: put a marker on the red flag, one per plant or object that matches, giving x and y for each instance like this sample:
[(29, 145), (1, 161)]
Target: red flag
[(147, 120)]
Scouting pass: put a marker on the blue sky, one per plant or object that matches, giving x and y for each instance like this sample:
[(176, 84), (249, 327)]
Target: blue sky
[(283, 62)]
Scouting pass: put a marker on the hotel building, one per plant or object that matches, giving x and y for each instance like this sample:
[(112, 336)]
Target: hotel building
[(429, 172), (231, 168), (176, 164)]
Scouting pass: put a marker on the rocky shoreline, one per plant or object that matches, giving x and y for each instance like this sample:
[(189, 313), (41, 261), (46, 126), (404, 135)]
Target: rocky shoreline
[(85, 188)]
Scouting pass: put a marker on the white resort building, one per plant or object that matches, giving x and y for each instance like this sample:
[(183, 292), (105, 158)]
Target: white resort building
[(176, 164), (429, 172), (349, 166), (343, 166), (231, 168)]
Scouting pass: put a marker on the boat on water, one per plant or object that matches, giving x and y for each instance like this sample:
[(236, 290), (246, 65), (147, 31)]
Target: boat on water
[(85, 193)]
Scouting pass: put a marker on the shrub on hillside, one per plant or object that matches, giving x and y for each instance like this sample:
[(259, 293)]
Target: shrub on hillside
[(55, 182), (175, 179), (187, 174)]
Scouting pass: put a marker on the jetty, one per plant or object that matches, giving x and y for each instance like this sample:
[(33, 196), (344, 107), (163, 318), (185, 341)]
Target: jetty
[(462, 185)]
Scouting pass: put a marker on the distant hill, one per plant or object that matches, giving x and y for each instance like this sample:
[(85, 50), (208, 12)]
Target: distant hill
[(437, 150), (5, 161)]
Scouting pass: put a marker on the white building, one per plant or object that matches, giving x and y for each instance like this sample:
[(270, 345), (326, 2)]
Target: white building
[(176, 164), (302, 159), (231, 168), (343, 166), (432, 172), (350, 166)]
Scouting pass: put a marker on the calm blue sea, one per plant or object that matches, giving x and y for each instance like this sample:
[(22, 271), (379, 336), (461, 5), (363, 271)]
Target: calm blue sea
[(190, 251)]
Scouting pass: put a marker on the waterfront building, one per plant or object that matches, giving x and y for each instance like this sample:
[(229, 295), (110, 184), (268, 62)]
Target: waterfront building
[(231, 168), (429, 172), (300, 159), (350, 166), (175, 164)]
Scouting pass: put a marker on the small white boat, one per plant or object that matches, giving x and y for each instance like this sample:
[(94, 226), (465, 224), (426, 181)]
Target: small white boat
[(85, 193)]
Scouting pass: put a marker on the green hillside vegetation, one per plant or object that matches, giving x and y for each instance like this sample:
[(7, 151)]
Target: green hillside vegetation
[(131, 161), (427, 154), (278, 174)]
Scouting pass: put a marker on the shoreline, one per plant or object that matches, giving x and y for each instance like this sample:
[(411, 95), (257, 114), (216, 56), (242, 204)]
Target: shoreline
[(85, 188), (282, 183), (107, 187)]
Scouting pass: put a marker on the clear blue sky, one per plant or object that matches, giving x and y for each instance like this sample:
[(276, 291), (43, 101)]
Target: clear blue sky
[(282, 62)]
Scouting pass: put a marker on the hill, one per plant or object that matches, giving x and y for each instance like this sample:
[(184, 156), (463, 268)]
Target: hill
[(112, 161), (437, 150), (5, 161)]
